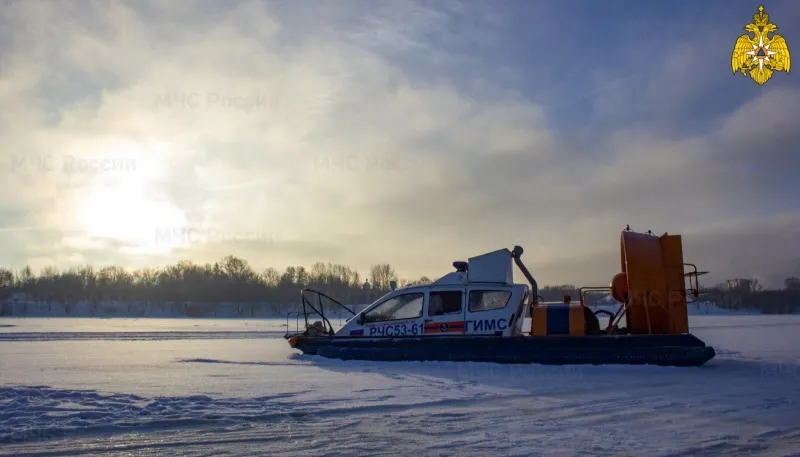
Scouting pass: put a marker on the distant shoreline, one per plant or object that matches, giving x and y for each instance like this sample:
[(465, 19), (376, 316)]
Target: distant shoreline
[(239, 311)]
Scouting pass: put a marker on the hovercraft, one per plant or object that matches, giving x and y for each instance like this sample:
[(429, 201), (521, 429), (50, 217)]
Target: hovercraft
[(476, 314)]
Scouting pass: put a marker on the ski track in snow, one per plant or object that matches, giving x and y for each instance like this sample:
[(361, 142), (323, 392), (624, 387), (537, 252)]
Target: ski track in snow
[(161, 396)]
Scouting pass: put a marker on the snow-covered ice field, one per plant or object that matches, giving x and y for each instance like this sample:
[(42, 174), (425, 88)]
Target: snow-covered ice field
[(225, 387)]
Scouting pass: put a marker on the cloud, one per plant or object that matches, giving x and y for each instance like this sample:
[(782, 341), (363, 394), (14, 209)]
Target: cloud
[(406, 133)]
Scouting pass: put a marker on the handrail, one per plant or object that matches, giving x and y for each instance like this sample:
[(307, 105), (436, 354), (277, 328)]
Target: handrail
[(582, 291), (694, 275), (296, 327)]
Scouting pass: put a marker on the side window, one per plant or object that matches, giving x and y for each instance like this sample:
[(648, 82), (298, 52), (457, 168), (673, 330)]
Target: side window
[(485, 300), (406, 306), (445, 302)]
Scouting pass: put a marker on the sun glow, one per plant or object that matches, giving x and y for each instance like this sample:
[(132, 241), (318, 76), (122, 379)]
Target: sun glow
[(123, 212), (121, 206)]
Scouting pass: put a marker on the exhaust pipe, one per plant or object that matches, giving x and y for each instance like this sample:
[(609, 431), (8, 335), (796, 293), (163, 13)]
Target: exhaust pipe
[(516, 254)]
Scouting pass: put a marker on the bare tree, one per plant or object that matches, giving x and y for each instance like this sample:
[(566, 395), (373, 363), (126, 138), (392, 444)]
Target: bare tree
[(6, 277), (381, 275)]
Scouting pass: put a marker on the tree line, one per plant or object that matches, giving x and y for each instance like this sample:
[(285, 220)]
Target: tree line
[(233, 280), (230, 280)]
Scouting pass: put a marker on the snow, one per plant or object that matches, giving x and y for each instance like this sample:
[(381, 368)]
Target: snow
[(209, 387), (29, 308), (21, 307)]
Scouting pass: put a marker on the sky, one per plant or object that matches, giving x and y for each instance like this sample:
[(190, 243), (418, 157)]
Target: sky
[(411, 133)]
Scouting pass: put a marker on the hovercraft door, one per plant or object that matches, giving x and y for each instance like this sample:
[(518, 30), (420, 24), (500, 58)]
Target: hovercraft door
[(445, 312)]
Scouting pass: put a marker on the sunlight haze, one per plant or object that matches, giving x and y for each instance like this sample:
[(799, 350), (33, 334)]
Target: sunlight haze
[(410, 133)]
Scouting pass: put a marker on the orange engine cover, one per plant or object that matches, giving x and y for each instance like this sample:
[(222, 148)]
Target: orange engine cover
[(653, 269)]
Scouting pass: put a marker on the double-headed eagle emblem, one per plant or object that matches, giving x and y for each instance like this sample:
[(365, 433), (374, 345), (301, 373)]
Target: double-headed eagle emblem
[(759, 55)]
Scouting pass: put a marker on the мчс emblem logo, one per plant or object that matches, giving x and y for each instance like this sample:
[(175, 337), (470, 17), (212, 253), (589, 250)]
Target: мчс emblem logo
[(760, 55)]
